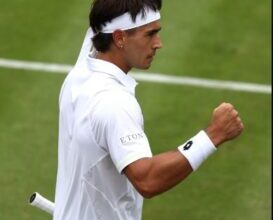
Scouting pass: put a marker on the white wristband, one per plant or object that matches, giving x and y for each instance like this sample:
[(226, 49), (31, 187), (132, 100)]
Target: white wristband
[(197, 149)]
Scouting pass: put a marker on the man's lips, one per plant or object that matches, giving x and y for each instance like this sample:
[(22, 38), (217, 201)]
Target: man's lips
[(151, 56)]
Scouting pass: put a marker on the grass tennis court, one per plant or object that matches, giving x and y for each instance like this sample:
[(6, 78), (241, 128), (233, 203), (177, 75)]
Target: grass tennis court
[(224, 40)]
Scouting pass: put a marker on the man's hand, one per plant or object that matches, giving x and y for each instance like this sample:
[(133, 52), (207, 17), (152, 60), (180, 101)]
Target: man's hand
[(225, 124)]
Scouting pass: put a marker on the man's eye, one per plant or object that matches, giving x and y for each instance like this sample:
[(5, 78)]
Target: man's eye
[(151, 34)]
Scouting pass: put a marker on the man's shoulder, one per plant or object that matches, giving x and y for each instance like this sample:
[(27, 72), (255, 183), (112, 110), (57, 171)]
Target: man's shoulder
[(117, 98)]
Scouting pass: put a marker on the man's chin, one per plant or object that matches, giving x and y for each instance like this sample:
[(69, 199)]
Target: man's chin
[(144, 66), (147, 66)]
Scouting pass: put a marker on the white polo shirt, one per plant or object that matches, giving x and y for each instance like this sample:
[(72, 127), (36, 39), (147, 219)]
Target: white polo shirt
[(100, 133)]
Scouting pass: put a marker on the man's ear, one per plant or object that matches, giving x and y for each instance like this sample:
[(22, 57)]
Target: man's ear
[(119, 38)]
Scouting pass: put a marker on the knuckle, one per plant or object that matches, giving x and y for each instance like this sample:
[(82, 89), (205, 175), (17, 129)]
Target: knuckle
[(228, 106), (240, 128), (239, 120), (223, 105), (235, 114)]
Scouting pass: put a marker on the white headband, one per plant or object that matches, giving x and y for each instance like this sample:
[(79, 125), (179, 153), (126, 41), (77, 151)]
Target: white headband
[(123, 22)]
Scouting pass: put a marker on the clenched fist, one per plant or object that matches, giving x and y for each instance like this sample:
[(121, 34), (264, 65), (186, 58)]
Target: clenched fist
[(225, 124)]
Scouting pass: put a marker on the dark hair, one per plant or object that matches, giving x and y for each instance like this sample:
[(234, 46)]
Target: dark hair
[(103, 11)]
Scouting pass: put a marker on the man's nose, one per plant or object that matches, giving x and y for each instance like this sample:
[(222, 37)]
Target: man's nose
[(158, 43)]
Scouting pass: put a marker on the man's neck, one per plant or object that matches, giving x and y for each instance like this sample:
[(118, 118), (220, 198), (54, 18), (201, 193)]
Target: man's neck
[(114, 58)]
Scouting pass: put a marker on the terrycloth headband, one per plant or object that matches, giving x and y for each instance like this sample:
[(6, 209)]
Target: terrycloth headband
[(123, 22)]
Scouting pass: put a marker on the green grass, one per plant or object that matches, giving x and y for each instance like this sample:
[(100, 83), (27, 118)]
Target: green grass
[(28, 140), (217, 39)]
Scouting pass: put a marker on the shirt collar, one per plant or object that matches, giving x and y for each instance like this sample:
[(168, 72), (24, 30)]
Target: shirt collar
[(97, 65)]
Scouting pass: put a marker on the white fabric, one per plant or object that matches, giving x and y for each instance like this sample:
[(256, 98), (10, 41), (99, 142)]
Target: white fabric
[(87, 47), (125, 22), (100, 133), (197, 149)]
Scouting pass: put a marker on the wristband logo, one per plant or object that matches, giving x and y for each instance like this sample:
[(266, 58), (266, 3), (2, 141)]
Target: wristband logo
[(188, 145)]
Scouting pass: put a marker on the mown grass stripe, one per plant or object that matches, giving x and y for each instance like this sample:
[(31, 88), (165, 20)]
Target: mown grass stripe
[(150, 77)]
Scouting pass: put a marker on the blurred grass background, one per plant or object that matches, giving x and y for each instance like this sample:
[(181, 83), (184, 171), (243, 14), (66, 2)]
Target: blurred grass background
[(218, 39)]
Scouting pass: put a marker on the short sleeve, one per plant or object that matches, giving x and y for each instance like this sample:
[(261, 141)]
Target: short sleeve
[(119, 127)]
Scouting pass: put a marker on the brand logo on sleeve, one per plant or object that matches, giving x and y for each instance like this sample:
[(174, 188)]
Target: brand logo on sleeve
[(188, 145), (131, 138)]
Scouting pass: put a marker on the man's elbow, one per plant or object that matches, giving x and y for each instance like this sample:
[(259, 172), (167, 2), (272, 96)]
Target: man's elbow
[(147, 190), (139, 174)]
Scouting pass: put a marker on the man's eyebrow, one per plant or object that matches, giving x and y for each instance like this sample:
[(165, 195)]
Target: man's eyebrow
[(154, 31)]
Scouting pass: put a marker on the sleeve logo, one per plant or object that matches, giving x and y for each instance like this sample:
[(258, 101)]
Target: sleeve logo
[(131, 138)]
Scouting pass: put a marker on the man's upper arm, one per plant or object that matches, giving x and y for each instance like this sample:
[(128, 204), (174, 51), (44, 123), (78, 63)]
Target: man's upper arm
[(119, 122)]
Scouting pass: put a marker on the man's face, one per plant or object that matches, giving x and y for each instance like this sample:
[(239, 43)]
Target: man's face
[(141, 45)]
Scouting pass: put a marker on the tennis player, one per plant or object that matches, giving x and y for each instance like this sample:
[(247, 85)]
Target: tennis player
[(105, 163)]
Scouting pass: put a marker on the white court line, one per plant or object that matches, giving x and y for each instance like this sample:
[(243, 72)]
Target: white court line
[(150, 77)]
